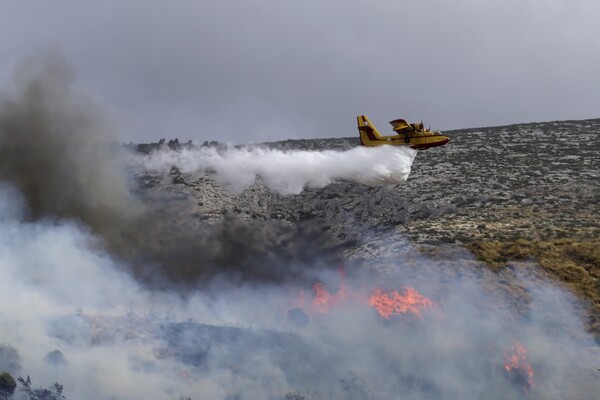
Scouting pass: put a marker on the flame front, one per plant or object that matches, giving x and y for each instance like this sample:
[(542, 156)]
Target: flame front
[(387, 303), (322, 300), (516, 363), (391, 303)]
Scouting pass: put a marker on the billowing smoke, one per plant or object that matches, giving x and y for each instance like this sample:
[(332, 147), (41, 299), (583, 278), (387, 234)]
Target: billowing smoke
[(60, 152), (50, 269), (252, 310), (55, 147), (289, 172), (70, 314)]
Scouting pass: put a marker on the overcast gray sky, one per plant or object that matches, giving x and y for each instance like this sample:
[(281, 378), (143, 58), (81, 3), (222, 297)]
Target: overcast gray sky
[(253, 70)]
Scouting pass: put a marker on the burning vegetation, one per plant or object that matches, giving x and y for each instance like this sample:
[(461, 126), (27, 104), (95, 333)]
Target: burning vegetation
[(390, 303), (518, 367), (405, 305), (387, 303)]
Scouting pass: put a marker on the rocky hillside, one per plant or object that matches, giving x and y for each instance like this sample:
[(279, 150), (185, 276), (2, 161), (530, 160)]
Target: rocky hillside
[(514, 195)]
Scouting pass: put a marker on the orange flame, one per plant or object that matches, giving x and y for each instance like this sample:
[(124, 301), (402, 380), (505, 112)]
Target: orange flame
[(386, 303), (391, 303), (322, 300), (516, 362)]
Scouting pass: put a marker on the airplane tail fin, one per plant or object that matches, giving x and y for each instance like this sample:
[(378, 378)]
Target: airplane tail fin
[(367, 131)]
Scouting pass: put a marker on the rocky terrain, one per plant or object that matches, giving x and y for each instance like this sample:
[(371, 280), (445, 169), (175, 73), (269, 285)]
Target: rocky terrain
[(514, 209), (519, 195)]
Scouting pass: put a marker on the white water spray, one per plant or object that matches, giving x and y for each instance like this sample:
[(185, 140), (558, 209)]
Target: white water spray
[(288, 172)]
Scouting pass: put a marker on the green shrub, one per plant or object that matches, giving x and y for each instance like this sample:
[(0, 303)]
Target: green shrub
[(7, 385)]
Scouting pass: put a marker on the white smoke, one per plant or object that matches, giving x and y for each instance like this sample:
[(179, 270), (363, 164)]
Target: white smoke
[(60, 291), (128, 342), (288, 172)]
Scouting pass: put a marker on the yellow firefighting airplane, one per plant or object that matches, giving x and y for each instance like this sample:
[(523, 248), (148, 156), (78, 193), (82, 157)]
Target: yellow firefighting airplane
[(414, 135)]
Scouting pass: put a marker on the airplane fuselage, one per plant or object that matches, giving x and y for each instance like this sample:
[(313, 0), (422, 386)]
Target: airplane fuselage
[(412, 135)]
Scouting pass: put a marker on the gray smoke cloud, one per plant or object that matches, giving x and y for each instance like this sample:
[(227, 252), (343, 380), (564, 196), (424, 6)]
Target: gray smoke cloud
[(60, 151), (56, 146)]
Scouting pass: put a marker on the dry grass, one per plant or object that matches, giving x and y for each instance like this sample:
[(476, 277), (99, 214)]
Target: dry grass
[(565, 243), (573, 263)]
